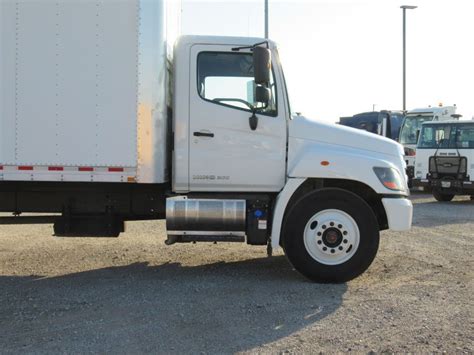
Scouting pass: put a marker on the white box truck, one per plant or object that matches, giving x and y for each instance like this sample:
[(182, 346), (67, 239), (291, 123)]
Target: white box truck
[(104, 121), (445, 159)]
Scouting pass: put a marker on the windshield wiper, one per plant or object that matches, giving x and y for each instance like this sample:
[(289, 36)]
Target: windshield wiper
[(236, 49)]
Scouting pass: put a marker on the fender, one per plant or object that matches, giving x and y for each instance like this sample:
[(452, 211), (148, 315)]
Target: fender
[(311, 159), (280, 206)]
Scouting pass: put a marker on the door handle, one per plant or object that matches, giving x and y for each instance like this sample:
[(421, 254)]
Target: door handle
[(203, 134)]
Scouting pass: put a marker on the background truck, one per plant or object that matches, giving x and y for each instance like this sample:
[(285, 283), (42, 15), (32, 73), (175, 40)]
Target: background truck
[(104, 121), (384, 123), (445, 159), (411, 128)]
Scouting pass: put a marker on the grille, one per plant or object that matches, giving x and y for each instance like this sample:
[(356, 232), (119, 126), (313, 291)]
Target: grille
[(448, 165)]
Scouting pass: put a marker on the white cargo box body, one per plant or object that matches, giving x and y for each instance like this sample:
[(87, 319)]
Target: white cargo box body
[(83, 88)]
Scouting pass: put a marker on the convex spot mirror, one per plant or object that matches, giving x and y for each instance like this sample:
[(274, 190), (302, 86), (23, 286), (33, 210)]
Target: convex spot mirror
[(262, 64)]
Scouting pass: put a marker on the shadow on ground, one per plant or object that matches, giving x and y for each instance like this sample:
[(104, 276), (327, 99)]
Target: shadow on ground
[(453, 203), (433, 213), (168, 308)]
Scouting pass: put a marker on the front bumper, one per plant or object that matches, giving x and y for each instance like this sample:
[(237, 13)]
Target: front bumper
[(399, 213), (449, 186)]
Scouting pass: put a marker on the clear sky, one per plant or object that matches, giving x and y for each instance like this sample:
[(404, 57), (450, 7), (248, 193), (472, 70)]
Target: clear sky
[(343, 57)]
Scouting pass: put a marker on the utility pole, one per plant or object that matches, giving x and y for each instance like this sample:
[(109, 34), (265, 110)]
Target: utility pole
[(266, 18), (404, 8)]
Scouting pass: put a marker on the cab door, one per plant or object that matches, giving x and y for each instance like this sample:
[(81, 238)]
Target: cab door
[(225, 154)]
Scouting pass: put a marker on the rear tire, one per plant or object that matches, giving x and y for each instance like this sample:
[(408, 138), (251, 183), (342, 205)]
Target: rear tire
[(331, 235), (442, 197)]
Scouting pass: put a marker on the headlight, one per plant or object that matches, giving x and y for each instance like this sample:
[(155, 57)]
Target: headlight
[(390, 178)]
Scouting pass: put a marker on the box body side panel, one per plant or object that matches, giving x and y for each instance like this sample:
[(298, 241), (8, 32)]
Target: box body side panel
[(84, 84), (7, 81)]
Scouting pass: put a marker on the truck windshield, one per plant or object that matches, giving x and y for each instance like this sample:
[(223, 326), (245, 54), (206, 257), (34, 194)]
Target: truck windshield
[(396, 120), (411, 125), (458, 136)]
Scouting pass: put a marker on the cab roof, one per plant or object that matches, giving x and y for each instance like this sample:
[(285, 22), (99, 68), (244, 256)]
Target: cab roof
[(431, 110), (448, 122), (224, 40)]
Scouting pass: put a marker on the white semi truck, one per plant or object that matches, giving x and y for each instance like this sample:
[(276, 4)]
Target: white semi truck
[(103, 121), (411, 127), (445, 159)]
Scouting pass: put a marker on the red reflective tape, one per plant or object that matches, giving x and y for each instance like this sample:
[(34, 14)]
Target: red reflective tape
[(1, 167), (86, 168), (25, 167), (55, 168), (115, 170)]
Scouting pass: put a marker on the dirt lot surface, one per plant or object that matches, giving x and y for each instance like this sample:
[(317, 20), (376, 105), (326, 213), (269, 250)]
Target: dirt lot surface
[(134, 294)]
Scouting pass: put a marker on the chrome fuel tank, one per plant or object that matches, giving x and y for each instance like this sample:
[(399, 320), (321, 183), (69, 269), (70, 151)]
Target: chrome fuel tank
[(205, 216)]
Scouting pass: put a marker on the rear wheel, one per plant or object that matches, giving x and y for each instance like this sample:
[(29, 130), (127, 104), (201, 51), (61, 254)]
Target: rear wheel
[(442, 197), (331, 235)]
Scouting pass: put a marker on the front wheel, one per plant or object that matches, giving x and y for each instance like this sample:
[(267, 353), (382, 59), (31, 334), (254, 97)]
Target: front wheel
[(331, 235), (442, 197)]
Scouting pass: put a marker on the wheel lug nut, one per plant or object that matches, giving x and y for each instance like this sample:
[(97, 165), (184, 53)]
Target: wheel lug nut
[(340, 248), (345, 232), (339, 226), (333, 251), (324, 226), (319, 234), (319, 242), (331, 224), (345, 241), (324, 248)]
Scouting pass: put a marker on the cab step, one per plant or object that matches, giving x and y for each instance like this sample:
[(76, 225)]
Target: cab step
[(189, 238)]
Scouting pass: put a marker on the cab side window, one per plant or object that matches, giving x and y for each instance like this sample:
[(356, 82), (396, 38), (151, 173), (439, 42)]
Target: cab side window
[(227, 79)]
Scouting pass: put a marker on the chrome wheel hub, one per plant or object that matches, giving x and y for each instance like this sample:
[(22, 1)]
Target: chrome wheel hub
[(331, 237)]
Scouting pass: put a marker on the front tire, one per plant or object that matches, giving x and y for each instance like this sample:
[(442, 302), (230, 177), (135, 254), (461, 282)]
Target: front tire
[(331, 235), (442, 197)]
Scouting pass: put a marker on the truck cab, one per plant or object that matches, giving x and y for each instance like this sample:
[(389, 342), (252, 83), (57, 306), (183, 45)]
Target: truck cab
[(411, 127), (445, 156), (384, 123), (228, 145)]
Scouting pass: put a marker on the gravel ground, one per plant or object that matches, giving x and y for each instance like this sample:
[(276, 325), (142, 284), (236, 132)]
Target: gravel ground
[(133, 294)]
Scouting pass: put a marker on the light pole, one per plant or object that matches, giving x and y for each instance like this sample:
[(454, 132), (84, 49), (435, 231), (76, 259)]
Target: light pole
[(405, 8), (266, 18)]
